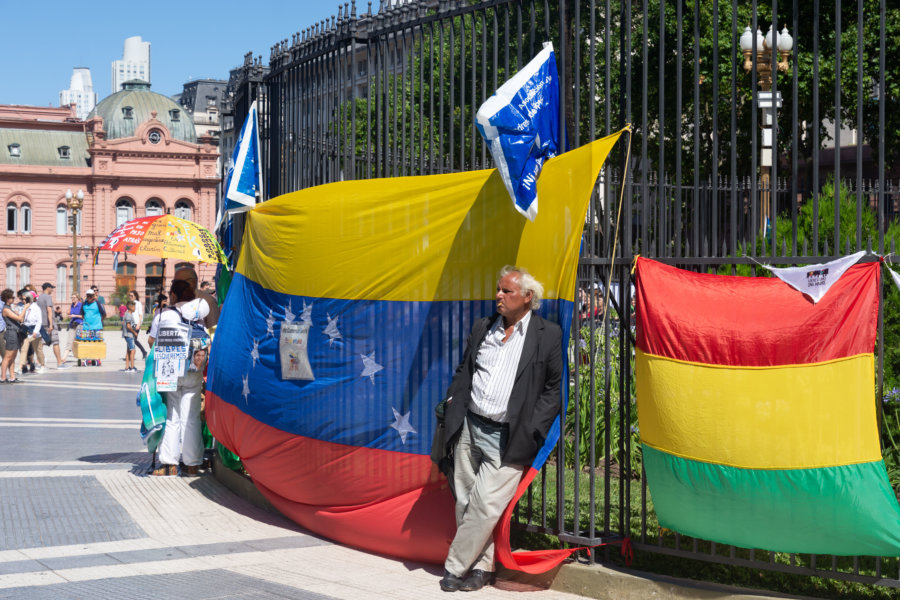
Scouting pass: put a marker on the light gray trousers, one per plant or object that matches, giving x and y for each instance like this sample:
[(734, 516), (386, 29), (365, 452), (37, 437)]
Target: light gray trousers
[(484, 486)]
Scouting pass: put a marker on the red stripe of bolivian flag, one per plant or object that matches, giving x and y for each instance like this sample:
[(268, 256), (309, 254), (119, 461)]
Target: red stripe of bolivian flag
[(757, 411)]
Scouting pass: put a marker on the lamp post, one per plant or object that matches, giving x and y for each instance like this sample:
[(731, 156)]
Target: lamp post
[(74, 204), (768, 103)]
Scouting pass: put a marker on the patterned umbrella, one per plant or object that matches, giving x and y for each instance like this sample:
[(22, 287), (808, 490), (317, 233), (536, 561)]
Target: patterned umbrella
[(167, 237)]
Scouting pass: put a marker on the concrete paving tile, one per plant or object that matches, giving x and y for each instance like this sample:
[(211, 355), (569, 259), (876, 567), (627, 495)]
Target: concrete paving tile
[(21, 566), (76, 562), (148, 555), (34, 578)]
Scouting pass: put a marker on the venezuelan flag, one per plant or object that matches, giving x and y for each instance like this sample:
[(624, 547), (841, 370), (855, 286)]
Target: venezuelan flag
[(757, 411), (389, 275)]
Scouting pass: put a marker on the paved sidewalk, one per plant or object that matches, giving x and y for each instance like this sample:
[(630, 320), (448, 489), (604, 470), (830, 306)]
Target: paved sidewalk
[(80, 519)]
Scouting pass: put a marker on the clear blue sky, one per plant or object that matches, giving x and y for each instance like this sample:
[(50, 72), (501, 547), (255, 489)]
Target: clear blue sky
[(43, 41)]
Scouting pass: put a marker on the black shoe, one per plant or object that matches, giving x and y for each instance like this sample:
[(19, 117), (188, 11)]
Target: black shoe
[(476, 580), (450, 582)]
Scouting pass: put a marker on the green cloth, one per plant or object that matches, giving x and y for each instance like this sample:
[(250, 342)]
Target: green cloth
[(845, 510), (153, 407)]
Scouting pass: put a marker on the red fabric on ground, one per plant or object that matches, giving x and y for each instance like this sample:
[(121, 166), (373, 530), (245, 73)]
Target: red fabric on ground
[(528, 561), (353, 495)]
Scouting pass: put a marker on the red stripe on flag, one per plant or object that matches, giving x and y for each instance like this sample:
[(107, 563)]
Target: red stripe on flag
[(692, 311), (527, 561), (388, 502)]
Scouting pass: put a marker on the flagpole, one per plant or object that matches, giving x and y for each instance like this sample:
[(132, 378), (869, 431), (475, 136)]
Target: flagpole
[(255, 109)]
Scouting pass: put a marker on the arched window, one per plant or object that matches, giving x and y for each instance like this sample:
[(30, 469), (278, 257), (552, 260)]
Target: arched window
[(154, 208), (183, 210), (11, 271), (25, 274), (124, 211), (12, 218), (25, 218), (62, 221)]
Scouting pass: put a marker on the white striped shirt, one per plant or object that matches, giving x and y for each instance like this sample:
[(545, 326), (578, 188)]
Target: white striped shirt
[(495, 369)]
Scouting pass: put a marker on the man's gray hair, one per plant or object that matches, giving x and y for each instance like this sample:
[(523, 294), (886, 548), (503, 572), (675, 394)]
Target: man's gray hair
[(527, 283)]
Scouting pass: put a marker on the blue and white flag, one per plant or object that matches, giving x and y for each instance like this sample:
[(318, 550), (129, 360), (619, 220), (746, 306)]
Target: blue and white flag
[(243, 184), (520, 124)]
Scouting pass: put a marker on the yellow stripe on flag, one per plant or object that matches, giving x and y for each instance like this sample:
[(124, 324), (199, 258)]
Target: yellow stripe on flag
[(786, 417), (444, 223)]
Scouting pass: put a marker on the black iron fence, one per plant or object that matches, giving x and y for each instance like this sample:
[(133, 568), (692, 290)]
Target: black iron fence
[(735, 154)]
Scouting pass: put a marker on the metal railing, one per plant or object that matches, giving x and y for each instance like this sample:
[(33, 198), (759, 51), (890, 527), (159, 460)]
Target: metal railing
[(394, 90)]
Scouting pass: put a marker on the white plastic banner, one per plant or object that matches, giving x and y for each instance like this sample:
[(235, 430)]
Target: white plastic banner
[(292, 347), (172, 350), (815, 280)]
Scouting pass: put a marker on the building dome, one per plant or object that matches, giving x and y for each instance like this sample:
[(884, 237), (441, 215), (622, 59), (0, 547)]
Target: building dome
[(125, 111)]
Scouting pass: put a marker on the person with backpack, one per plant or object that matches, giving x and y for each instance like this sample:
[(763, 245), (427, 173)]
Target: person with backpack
[(182, 439)]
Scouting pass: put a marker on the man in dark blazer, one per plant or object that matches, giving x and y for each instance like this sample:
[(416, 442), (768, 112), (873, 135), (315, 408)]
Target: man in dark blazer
[(501, 403)]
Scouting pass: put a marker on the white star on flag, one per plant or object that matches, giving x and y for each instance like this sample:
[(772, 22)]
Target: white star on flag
[(306, 315), (270, 321), (401, 424), (254, 354), (246, 391), (370, 367), (331, 330), (288, 314)]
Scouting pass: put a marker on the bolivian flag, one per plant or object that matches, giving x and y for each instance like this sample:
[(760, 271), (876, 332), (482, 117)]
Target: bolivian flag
[(757, 411)]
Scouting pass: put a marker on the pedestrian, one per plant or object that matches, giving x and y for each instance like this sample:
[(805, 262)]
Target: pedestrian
[(2, 331), (139, 319), (190, 275), (75, 320), (93, 312), (129, 332), (13, 336), (32, 346), (49, 328), (182, 438), (57, 318), (499, 407), (100, 298)]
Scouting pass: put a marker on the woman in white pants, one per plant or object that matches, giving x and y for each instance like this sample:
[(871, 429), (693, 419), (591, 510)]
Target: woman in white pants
[(182, 439)]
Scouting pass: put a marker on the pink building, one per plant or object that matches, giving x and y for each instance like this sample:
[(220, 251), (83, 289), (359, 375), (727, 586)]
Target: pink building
[(137, 154)]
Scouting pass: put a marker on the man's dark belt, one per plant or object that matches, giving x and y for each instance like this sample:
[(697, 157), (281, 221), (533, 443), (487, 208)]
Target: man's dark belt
[(487, 422)]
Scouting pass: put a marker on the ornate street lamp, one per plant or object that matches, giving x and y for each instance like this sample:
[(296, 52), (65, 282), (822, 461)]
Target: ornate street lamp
[(74, 204), (769, 104)]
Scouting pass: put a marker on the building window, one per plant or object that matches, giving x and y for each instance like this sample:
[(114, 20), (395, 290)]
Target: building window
[(63, 152), (183, 210), (15, 150), (124, 211), (12, 218), (62, 281), (26, 218), (155, 136), (62, 220), (154, 208), (11, 277), (175, 114), (25, 274), (127, 112)]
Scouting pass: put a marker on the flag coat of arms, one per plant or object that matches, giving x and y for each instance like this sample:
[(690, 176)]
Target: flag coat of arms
[(757, 411), (387, 278)]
